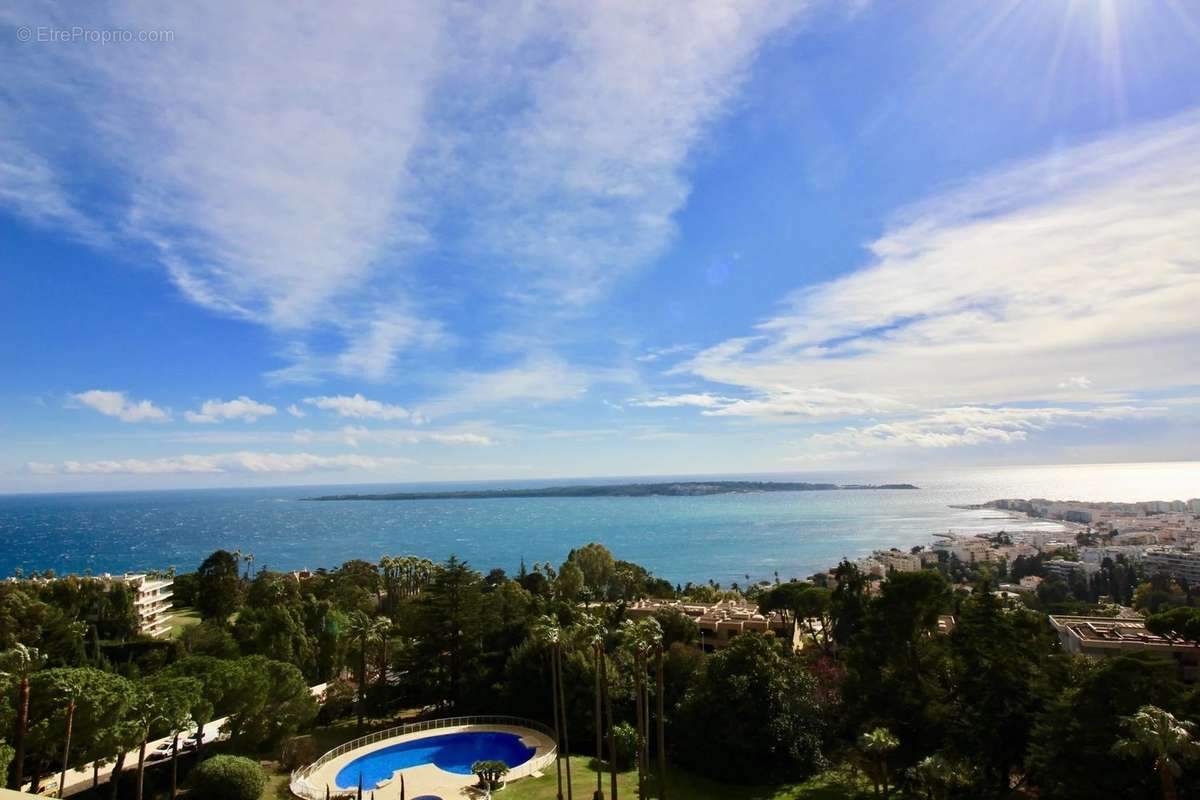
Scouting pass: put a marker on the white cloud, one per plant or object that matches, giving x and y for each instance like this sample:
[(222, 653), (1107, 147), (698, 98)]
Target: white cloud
[(970, 425), (296, 411), (242, 408), (354, 435), (118, 404), (285, 170), (244, 461), (358, 406), (783, 403), (1082, 264), (582, 186), (663, 352), (702, 400), (535, 380)]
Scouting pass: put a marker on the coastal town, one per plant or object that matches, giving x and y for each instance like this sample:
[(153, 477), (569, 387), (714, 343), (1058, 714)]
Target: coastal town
[(1097, 582)]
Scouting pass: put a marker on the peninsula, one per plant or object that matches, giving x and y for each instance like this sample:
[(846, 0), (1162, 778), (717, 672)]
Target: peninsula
[(676, 489)]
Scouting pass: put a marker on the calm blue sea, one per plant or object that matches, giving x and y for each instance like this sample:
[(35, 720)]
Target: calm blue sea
[(725, 537)]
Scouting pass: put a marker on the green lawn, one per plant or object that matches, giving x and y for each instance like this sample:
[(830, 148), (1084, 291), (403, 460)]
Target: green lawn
[(182, 618), (684, 786)]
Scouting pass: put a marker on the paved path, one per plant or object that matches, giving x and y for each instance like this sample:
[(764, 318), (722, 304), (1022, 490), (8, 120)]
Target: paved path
[(79, 780)]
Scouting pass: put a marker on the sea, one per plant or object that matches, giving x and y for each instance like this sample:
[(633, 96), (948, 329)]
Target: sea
[(726, 538)]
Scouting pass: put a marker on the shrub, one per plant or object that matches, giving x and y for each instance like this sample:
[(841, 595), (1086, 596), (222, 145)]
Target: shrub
[(625, 738), (227, 778)]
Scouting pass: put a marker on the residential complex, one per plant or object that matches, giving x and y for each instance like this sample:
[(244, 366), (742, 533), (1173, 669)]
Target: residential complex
[(720, 622), (151, 600), (1104, 637), (151, 595)]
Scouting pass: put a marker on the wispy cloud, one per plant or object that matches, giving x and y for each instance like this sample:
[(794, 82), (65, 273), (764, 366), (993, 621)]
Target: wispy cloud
[(533, 381), (117, 404), (1058, 280), (698, 400), (242, 408), (236, 155), (359, 407), (244, 461), (970, 425)]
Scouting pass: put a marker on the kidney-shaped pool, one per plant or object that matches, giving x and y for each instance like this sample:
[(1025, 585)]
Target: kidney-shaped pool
[(453, 752)]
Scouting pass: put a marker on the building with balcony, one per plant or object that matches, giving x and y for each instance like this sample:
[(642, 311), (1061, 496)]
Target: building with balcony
[(1180, 564), (151, 600)]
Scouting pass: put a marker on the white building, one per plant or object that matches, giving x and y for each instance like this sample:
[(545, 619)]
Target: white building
[(151, 600), (1176, 563)]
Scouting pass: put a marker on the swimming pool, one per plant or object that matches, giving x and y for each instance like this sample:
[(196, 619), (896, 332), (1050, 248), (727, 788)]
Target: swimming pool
[(452, 752)]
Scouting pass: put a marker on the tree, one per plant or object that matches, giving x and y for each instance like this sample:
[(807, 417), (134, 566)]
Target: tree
[(546, 632), (176, 701), (20, 662), (364, 631), (449, 625), (752, 709), (640, 638), (227, 778), (569, 583), (1069, 754), (847, 602), (897, 667), (490, 773), (1005, 665), (592, 631), (218, 587), (598, 566), (1183, 621), (1157, 735), (876, 745), (804, 606), (266, 701)]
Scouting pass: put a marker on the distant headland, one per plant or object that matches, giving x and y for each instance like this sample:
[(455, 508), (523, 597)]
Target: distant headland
[(674, 489)]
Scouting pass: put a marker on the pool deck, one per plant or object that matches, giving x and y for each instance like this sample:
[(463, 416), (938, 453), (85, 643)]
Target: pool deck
[(428, 779)]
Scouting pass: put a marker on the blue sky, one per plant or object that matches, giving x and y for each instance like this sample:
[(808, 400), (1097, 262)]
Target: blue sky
[(447, 242)]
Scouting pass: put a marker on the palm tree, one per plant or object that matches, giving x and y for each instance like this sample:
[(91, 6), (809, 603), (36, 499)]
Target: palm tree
[(365, 631), (876, 745), (661, 723), (547, 631), (21, 662), (1157, 734), (640, 637), (593, 631), (72, 689)]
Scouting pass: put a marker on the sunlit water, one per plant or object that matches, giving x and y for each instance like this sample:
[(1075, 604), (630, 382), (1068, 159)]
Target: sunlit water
[(723, 537)]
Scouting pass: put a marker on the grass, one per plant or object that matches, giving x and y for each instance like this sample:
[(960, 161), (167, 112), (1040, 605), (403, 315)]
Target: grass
[(685, 786), (182, 618)]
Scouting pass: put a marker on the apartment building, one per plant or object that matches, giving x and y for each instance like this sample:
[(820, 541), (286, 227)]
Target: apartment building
[(1104, 637)]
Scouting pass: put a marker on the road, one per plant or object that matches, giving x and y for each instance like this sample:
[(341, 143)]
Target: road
[(79, 780)]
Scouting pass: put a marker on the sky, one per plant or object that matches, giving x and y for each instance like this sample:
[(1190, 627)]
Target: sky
[(407, 241)]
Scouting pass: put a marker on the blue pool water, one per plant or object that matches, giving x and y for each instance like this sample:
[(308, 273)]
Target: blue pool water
[(453, 752)]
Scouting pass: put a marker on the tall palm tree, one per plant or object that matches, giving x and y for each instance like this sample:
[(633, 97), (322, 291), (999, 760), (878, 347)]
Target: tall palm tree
[(661, 721), (72, 690), (1157, 734), (592, 631), (876, 745), (365, 631), (546, 631), (21, 662), (640, 638)]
